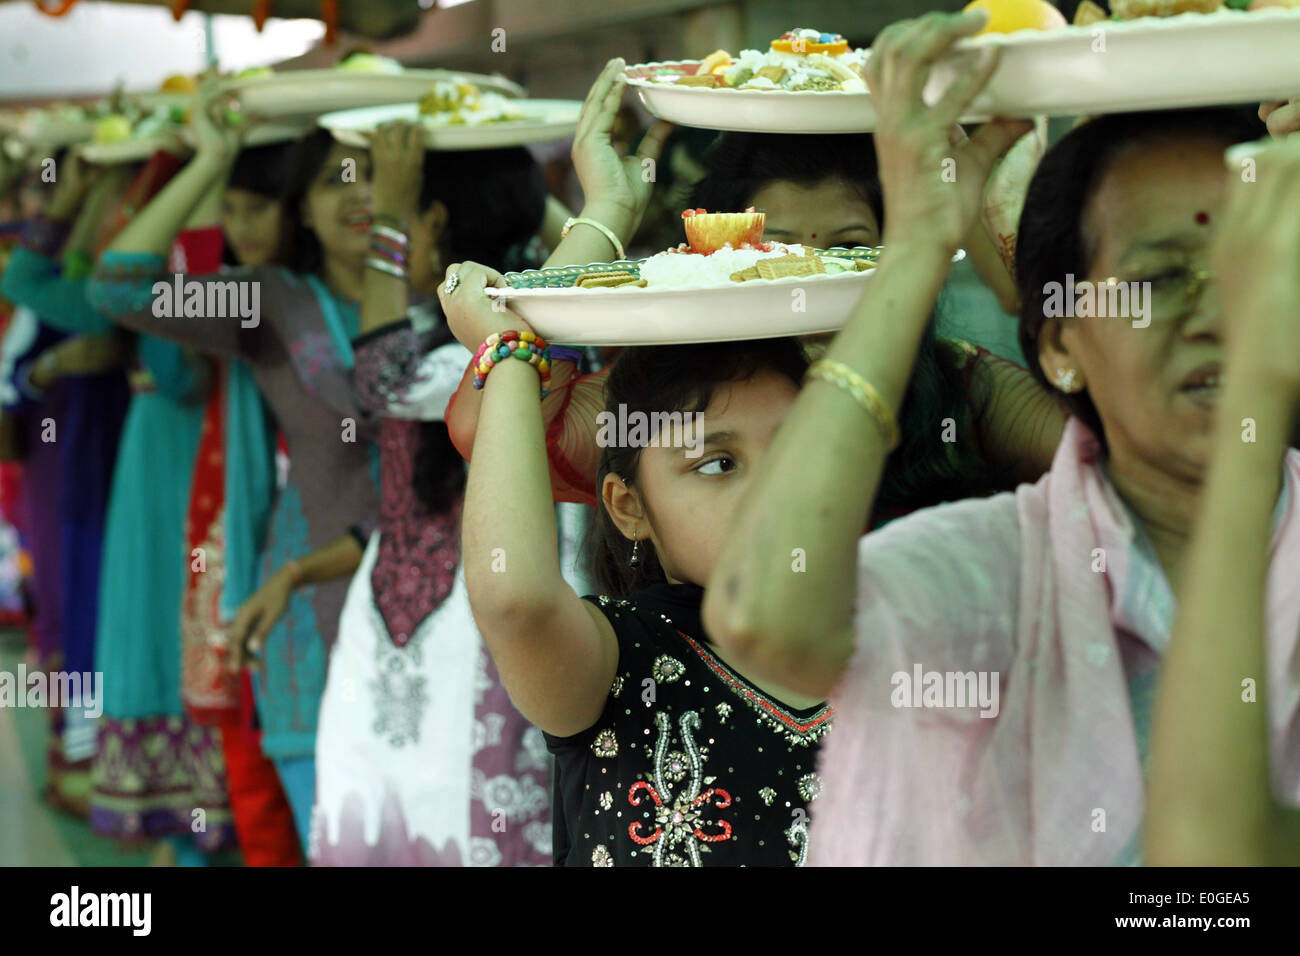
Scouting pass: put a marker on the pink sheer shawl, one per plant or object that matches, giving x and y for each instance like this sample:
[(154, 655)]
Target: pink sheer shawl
[(1011, 585)]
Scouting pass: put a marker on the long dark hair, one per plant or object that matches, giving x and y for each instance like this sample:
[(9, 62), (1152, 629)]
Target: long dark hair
[(738, 165), (1050, 243), (495, 201), (267, 171)]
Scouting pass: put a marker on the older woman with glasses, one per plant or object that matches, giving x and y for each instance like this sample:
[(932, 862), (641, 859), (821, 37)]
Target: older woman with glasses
[(992, 662)]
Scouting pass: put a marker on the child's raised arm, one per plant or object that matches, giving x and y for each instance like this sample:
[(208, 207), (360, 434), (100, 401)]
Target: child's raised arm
[(556, 654)]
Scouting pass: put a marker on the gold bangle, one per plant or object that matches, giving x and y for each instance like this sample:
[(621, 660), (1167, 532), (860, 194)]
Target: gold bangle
[(609, 234), (863, 392)]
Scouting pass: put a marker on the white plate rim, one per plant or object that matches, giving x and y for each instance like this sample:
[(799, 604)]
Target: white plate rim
[(360, 136), (422, 75), (549, 292), (1020, 38), (124, 151)]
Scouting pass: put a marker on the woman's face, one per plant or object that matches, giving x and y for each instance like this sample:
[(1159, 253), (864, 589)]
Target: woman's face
[(830, 213), (688, 503), (251, 223), (1155, 385), (337, 206)]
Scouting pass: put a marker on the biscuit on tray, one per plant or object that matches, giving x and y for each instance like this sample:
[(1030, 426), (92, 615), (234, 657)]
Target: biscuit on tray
[(784, 266), (607, 280)]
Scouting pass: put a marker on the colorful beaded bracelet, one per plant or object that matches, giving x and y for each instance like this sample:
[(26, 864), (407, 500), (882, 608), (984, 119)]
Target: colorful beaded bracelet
[(385, 252), (395, 236), (525, 346), (391, 268)]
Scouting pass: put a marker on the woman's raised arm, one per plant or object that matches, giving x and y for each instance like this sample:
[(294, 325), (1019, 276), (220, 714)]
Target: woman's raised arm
[(1211, 799), (816, 487)]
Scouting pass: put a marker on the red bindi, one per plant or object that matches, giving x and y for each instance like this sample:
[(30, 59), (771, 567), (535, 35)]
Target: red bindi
[(814, 235), (1202, 218)]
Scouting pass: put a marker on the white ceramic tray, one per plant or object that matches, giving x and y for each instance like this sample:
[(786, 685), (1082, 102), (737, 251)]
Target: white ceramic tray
[(630, 315), (301, 93), (542, 120), (1192, 59)]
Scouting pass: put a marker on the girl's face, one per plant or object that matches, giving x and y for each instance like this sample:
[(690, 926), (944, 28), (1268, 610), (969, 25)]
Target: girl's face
[(251, 223), (1150, 221), (337, 206), (829, 213), (683, 506)]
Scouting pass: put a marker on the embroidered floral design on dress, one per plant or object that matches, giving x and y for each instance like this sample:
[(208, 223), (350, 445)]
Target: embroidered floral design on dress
[(487, 731), (810, 786), (724, 711), (539, 837), (797, 836), (676, 766), (532, 754), (617, 687), (803, 732), (483, 852), (514, 798), (601, 856), (767, 794), (667, 670), (415, 568), (606, 800), (399, 692), (681, 829), (605, 745)]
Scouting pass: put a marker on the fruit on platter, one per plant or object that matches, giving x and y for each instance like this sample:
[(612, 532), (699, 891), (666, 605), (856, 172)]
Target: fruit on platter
[(115, 128), (1008, 16)]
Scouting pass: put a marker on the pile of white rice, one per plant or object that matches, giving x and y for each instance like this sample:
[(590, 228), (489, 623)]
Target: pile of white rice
[(799, 70), (668, 269)]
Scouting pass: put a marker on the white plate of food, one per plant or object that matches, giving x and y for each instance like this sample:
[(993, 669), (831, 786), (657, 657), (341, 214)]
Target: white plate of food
[(301, 93), (130, 150), (1191, 59), (49, 128), (260, 134), (483, 121), (726, 285), (806, 82), (128, 138)]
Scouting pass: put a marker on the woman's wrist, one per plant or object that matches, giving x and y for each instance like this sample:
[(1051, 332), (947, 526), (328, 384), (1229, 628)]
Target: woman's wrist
[(915, 247), (293, 574), (1258, 392), (64, 205), (617, 219), (213, 161)]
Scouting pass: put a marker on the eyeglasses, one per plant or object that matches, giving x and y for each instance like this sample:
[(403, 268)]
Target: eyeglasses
[(1174, 293)]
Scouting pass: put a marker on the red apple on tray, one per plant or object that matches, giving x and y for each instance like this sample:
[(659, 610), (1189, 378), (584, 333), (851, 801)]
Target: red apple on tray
[(708, 232)]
